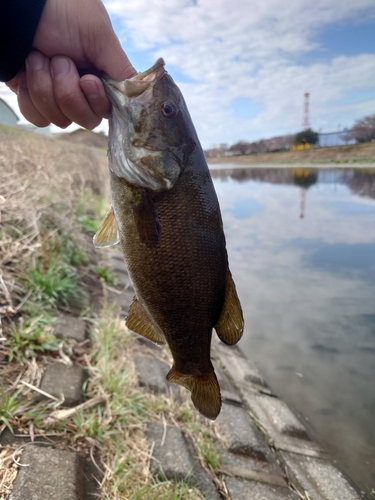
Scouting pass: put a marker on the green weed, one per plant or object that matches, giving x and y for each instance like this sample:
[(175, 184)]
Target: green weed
[(106, 275), (9, 406), (53, 285), (167, 490), (205, 443), (30, 338), (89, 225)]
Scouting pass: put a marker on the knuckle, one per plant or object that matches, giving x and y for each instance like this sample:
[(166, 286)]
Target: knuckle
[(66, 99)]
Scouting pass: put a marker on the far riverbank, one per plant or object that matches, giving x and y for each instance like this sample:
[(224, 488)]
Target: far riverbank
[(358, 155)]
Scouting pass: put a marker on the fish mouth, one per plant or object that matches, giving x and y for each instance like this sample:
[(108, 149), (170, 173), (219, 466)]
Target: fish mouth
[(135, 86)]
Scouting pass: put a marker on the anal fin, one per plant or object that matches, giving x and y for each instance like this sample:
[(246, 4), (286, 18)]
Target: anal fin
[(205, 391), (230, 325), (139, 321), (107, 234)]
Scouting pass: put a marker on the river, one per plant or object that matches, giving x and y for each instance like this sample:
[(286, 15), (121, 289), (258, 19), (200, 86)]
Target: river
[(301, 246)]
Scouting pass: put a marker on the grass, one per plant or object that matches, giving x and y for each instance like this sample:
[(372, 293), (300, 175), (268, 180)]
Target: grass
[(118, 426), (53, 284), (9, 406), (30, 338), (104, 274), (52, 194)]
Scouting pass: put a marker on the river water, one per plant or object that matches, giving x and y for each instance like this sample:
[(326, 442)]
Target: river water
[(301, 246)]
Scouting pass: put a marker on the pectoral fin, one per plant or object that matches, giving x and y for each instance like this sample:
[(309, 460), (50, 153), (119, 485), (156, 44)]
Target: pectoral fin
[(107, 234), (230, 325), (140, 322), (205, 391)]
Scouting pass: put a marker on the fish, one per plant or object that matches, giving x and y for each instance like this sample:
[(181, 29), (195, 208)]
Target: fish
[(166, 216)]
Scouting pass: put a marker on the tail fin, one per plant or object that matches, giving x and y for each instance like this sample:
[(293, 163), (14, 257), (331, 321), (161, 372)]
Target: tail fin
[(205, 391)]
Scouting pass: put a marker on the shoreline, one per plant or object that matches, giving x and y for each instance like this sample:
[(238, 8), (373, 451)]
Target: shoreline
[(232, 165)]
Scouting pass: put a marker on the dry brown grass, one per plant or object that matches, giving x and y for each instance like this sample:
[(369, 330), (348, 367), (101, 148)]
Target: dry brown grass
[(40, 179)]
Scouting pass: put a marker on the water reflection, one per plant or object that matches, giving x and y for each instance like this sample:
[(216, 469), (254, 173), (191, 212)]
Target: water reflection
[(307, 286)]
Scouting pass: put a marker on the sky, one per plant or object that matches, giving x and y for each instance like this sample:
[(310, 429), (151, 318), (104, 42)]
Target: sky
[(244, 66)]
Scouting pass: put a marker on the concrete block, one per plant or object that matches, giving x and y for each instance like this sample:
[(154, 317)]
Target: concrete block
[(249, 468), (172, 456), (239, 368), (284, 421), (228, 392), (242, 489), (241, 434), (60, 379), (151, 373), (71, 327), (318, 478), (284, 430), (117, 299), (52, 474), (145, 342)]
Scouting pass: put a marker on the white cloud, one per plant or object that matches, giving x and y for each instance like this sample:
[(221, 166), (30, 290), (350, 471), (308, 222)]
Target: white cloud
[(251, 50)]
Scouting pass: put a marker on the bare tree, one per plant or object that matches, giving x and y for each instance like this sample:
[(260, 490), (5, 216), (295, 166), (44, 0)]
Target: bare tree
[(363, 130)]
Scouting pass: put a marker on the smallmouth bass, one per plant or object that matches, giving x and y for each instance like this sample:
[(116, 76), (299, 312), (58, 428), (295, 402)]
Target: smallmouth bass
[(166, 216)]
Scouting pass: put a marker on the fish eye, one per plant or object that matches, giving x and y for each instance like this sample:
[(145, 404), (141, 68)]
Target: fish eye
[(169, 109)]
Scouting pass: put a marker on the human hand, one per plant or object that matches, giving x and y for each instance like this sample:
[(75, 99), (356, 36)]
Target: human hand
[(73, 37)]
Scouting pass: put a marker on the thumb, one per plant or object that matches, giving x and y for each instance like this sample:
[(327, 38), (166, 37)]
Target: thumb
[(104, 50)]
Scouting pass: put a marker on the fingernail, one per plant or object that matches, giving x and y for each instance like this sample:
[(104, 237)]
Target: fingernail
[(91, 89), (60, 66), (35, 61)]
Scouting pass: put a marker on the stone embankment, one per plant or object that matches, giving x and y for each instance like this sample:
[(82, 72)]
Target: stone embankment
[(266, 451)]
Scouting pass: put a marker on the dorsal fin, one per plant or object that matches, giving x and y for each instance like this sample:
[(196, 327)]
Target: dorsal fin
[(107, 234), (230, 325), (140, 322)]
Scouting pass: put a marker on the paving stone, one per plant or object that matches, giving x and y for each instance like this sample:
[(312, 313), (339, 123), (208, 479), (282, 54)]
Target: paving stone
[(242, 489), (283, 428), (320, 479), (250, 468), (61, 379), (68, 326), (172, 458), (94, 291), (52, 474), (241, 434), (148, 343), (118, 300), (152, 372), (200, 477), (228, 392), (170, 453), (238, 367)]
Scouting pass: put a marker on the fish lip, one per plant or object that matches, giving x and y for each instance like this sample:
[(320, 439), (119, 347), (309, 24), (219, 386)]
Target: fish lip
[(135, 86)]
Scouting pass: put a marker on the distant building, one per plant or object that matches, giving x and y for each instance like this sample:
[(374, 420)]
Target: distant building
[(329, 139), (220, 145), (7, 115)]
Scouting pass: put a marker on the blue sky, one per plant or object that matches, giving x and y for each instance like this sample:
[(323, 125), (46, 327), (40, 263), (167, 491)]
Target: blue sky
[(244, 66)]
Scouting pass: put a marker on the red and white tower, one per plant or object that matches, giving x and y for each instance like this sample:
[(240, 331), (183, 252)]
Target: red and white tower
[(306, 119)]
